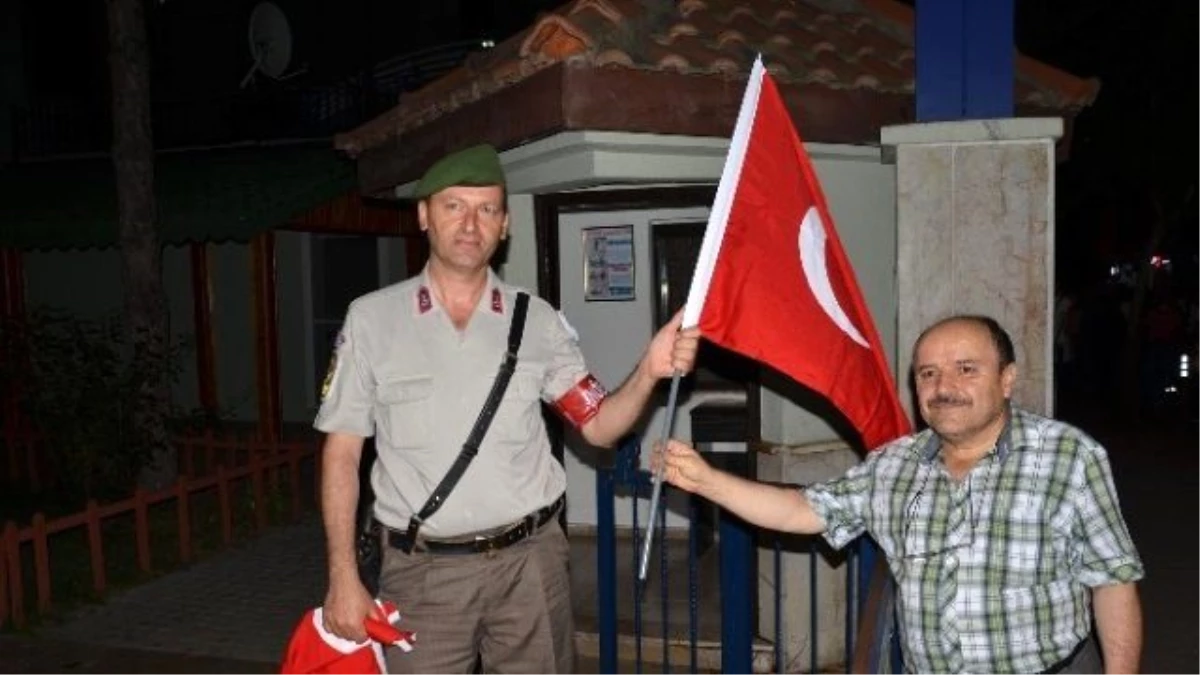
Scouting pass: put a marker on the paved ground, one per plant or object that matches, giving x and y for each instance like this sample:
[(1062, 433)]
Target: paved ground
[(1156, 471), (46, 655), (242, 603), (234, 612)]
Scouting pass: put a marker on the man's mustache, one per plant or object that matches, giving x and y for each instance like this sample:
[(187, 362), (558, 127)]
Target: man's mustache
[(948, 401)]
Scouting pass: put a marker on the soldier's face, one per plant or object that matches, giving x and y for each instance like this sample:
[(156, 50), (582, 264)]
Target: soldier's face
[(465, 225)]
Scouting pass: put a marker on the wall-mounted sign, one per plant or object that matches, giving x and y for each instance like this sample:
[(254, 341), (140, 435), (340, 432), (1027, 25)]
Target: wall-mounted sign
[(608, 269)]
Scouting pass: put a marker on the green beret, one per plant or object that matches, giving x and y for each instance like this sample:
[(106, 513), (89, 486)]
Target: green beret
[(476, 166)]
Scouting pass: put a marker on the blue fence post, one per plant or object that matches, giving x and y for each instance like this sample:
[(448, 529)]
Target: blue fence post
[(606, 568), (868, 555), (851, 626), (737, 594), (866, 563)]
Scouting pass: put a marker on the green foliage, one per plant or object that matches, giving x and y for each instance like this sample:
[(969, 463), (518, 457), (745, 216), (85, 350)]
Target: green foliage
[(78, 386)]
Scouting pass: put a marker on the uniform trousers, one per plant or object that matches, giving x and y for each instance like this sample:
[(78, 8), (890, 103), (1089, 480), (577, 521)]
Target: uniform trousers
[(510, 609)]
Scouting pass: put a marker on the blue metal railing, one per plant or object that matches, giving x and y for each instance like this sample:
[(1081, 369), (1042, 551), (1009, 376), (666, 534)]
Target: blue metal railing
[(737, 577)]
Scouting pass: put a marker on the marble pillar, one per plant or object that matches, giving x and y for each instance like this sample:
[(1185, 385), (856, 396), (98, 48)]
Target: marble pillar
[(975, 234)]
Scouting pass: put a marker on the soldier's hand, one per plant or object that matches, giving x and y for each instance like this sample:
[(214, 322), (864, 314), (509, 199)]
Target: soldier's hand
[(684, 467), (672, 349), (347, 606)]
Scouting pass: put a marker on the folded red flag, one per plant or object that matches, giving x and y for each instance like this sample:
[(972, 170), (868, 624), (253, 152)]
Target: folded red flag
[(312, 649)]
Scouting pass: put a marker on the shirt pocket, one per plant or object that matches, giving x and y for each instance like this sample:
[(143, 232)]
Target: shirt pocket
[(520, 410), (1027, 541), (406, 406)]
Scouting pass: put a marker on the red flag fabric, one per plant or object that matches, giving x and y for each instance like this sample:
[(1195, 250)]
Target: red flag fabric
[(773, 282), (312, 649)]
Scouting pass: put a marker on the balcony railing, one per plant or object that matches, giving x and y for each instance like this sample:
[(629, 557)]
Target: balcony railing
[(283, 110)]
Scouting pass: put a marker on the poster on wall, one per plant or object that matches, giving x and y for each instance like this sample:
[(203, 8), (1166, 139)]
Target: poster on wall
[(608, 263)]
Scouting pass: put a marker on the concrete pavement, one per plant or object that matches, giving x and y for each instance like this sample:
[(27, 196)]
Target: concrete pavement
[(239, 605), (234, 611)]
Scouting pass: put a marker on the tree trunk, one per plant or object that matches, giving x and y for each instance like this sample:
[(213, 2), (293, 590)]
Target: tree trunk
[(141, 252)]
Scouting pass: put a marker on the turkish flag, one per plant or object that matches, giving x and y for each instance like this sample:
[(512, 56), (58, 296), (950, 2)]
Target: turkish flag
[(772, 281), (312, 649)]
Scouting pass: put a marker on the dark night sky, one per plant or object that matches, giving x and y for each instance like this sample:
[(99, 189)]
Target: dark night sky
[(1132, 149), (1137, 143)]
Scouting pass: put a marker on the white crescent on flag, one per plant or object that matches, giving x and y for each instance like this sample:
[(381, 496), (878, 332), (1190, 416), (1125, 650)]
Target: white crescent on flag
[(772, 281), (812, 260)]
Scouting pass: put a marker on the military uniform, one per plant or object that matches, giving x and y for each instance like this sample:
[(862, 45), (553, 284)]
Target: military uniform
[(487, 575), (406, 375)]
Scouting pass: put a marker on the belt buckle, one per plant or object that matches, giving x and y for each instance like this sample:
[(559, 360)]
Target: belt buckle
[(488, 547)]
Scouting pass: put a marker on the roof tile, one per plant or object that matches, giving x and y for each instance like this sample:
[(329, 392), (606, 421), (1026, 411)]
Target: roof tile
[(557, 38), (841, 44), (614, 57), (604, 9)]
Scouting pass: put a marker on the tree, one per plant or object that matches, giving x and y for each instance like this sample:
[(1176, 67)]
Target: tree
[(141, 251)]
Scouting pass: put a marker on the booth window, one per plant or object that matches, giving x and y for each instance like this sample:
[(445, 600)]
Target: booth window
[(675, 247)]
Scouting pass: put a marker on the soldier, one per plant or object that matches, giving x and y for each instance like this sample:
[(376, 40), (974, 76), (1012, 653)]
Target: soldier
[(485, 576)]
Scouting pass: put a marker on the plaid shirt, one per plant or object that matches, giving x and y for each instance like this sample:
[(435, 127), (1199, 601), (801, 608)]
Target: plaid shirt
[(993, 571)]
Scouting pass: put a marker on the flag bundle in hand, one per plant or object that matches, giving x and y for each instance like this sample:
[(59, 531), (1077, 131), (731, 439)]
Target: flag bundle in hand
[(312, 649), (772, 281)]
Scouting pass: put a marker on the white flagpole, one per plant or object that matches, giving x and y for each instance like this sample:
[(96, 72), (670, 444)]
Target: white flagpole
[(658, 478), (714, 233)]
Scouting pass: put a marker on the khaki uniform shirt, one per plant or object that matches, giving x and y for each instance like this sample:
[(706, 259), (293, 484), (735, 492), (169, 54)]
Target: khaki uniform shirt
[(403, 373)]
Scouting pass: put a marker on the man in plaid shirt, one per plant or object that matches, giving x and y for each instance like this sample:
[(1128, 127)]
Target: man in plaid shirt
[(1001, 527)]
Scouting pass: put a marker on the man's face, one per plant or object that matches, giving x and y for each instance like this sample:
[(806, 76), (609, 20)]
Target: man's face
[(465, 225), (961, 389)]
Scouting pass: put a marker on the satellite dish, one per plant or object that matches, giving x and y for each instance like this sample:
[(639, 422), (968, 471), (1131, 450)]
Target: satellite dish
[(270, 42)]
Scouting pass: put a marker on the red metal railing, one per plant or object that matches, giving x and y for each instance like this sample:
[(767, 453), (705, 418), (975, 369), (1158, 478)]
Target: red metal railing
[(206, 463)]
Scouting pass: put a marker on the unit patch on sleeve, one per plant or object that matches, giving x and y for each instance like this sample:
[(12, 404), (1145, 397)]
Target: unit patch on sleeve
[(332, 371)]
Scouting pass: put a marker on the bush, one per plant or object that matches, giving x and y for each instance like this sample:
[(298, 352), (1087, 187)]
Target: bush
[(77, 384)]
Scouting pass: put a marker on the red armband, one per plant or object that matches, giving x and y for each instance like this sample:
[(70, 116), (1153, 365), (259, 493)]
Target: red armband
[(581, 402)]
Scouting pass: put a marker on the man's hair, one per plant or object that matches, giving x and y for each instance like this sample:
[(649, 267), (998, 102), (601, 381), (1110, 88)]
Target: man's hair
[(999, 336)]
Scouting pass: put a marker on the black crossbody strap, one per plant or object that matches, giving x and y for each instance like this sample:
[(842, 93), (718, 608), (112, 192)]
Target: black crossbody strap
[(471, 447)]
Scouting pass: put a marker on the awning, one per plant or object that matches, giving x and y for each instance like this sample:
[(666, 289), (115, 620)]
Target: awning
[(203, 195)]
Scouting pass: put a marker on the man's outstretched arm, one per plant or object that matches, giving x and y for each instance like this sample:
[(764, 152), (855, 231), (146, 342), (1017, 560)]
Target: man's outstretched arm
[(771, 506)]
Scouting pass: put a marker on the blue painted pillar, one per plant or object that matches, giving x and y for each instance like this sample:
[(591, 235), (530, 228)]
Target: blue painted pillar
[(965, 55), (738, 593)]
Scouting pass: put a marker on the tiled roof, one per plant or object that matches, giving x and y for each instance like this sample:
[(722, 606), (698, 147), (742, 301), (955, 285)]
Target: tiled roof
[(839, 44)]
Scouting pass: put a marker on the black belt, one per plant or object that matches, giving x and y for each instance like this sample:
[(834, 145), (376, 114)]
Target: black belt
[(518, 531)]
